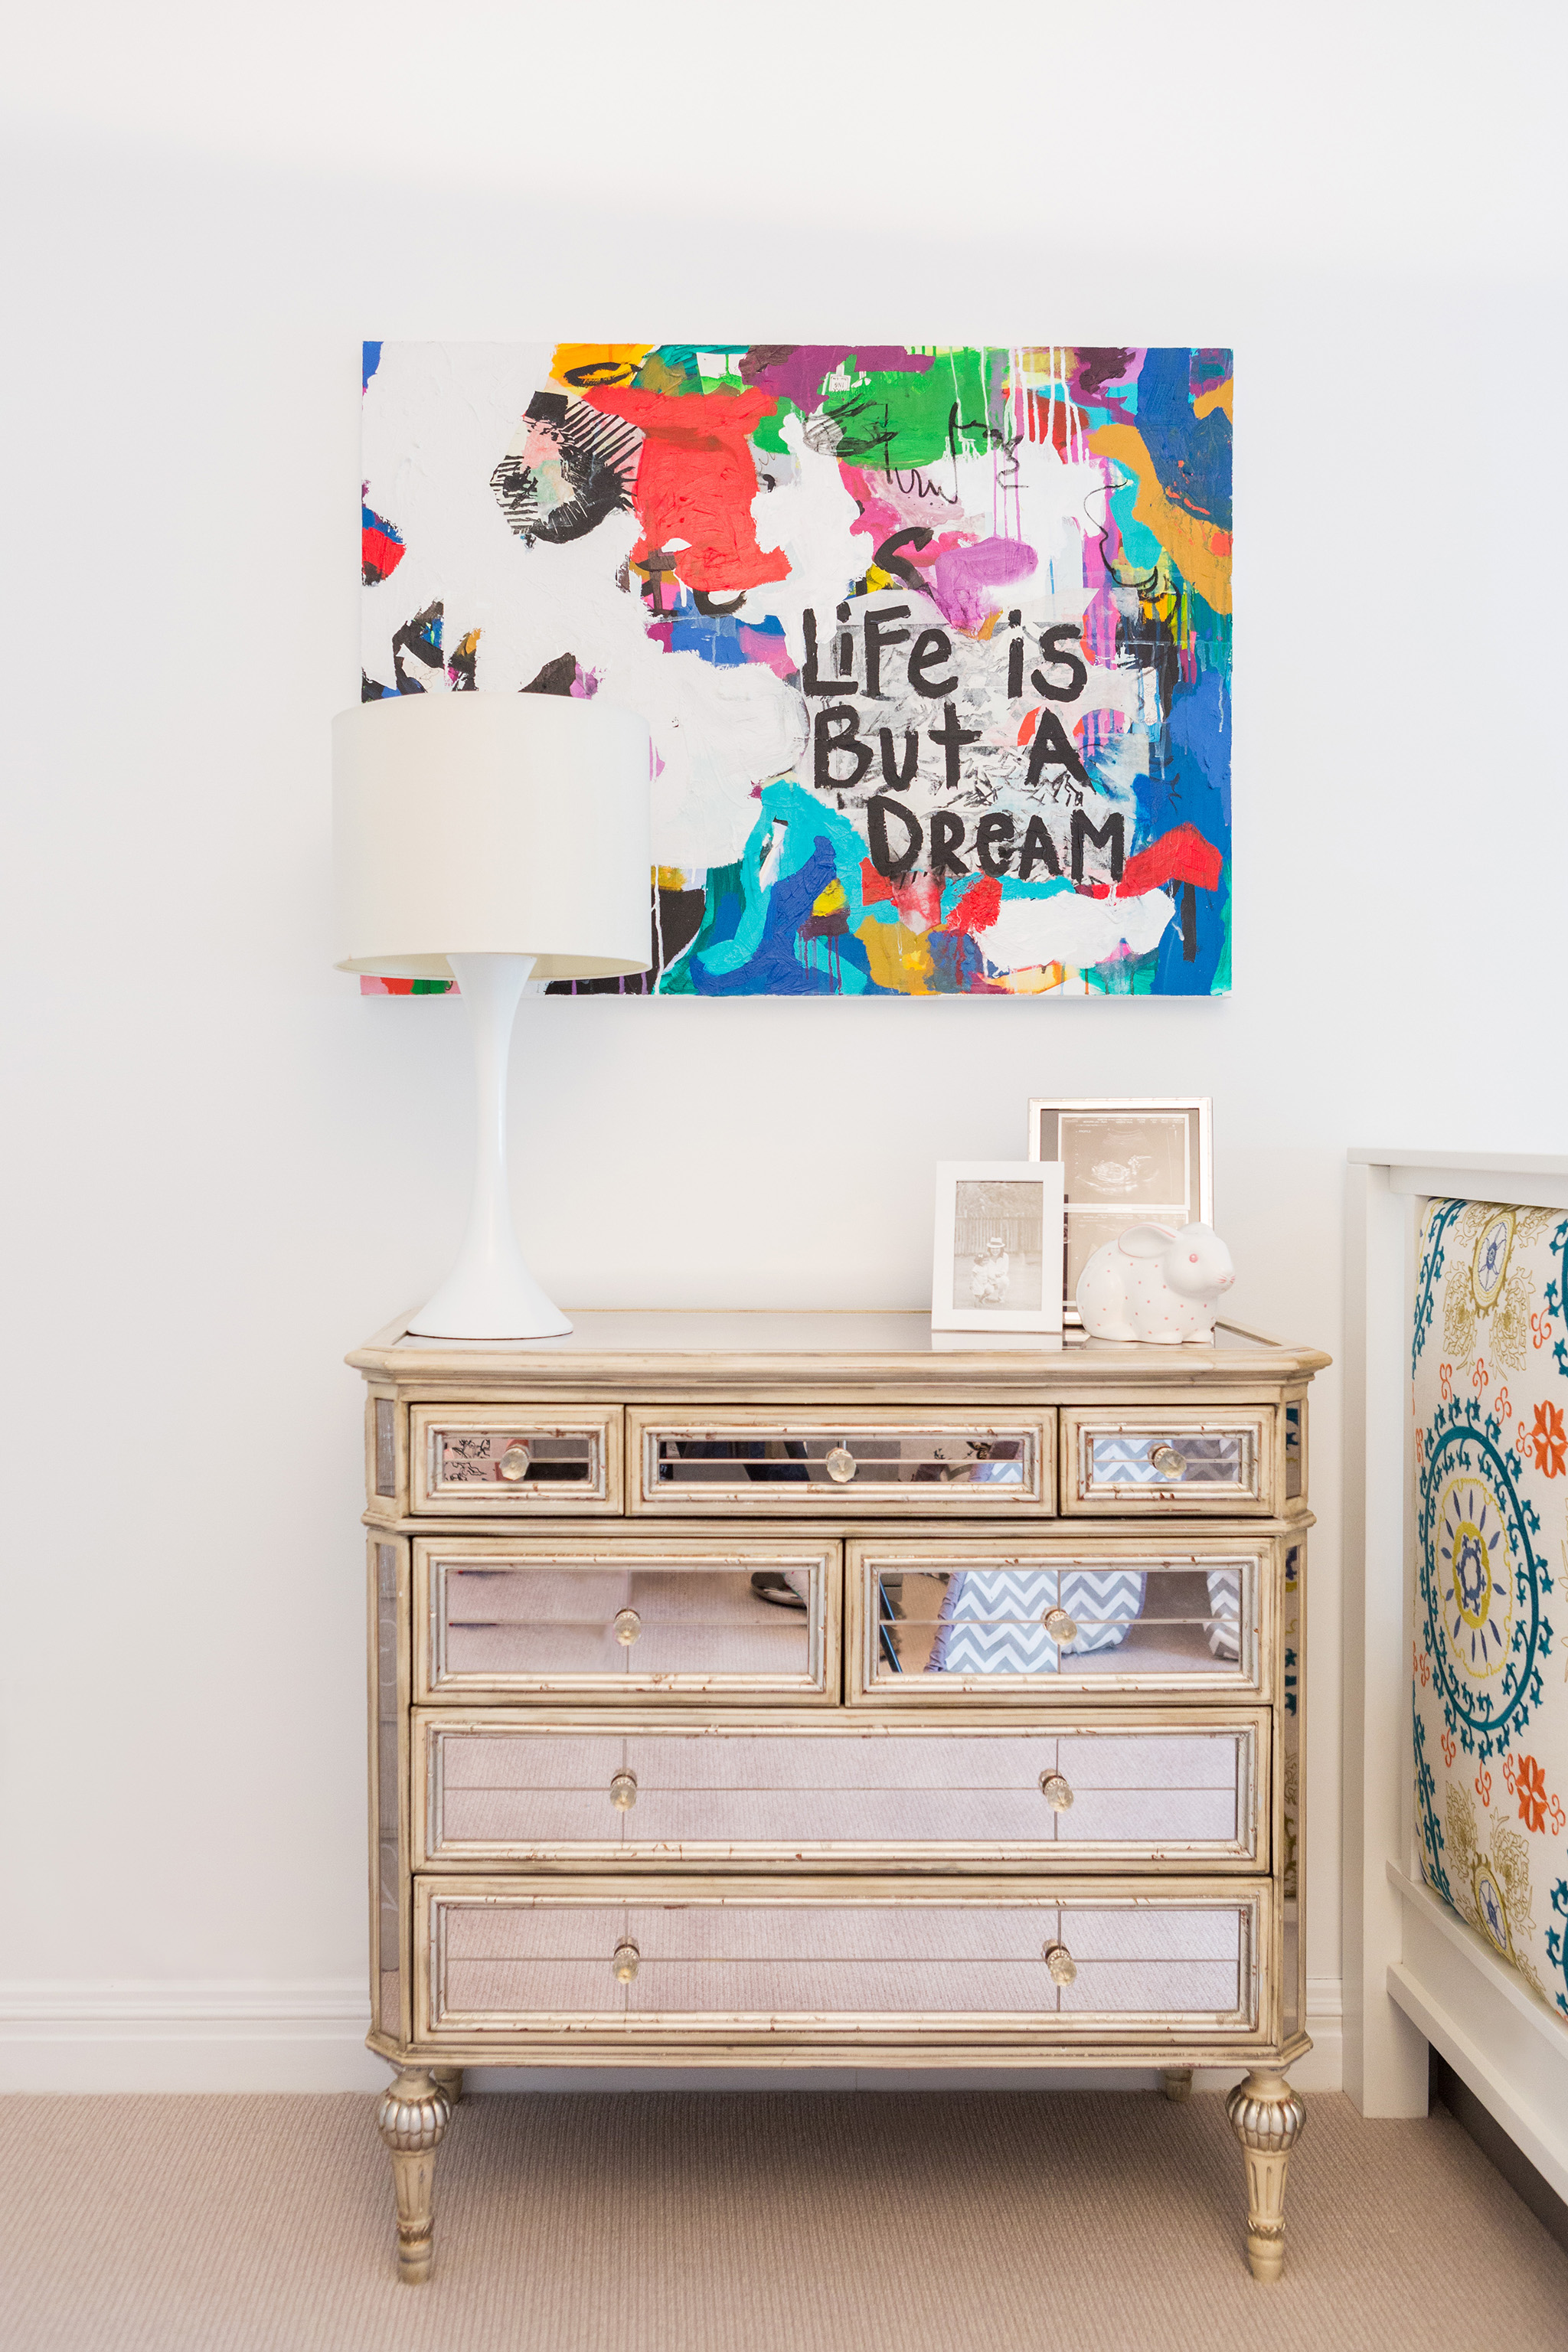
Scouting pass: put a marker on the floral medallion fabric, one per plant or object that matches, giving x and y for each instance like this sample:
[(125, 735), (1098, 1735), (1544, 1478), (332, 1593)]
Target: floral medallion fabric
[(1489, 1391)]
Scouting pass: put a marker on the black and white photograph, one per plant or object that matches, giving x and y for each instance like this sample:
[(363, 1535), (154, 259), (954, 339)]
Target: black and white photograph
[(1113, 1161), (1124, 1163), (998, 1246)]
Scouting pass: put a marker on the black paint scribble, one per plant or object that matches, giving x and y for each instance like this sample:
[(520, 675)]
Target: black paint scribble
[(597, 457), (557, 677), (418, 642), (1147, 639), (897, 567)]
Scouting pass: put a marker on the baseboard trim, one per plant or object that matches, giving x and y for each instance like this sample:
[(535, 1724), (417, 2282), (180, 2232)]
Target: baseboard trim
[(230, 2033), (233, 2033)]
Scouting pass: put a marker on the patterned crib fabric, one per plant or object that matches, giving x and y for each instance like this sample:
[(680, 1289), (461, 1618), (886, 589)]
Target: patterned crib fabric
[(1490, 1393), (991, 1618)]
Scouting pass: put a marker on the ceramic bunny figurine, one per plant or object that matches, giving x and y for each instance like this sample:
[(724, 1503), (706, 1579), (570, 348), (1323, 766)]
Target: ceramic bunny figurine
[(1156, 1284)]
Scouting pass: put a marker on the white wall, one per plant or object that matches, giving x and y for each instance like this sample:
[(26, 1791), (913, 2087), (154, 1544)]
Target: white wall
[(223, 1168)]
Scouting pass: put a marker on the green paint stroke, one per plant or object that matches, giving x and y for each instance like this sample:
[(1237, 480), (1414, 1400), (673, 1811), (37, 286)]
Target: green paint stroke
[(895, 420)]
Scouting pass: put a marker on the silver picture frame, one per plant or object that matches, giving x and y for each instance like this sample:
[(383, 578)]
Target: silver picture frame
[(997, 1241), (1127, 1160)]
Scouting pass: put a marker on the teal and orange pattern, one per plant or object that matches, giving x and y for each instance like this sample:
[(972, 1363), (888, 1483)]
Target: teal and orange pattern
[(1489, 1397)]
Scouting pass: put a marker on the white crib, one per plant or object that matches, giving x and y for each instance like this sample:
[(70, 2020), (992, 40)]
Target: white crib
[(1431, 1792)]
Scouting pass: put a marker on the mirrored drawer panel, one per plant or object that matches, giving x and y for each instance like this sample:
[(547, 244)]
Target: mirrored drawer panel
[(866, 1462), (809, 1792), (844, 1959), (503, 1460), (500, 1618), (1180, 1464), (1106, 1615)]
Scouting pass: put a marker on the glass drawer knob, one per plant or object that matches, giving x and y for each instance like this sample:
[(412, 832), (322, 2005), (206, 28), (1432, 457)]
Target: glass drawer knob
[(626, 1961), (1061, 1628), (629, 1625), (841, 1465), (1168, 1462), (514, 1463), (1060, 1965), (624, 1792), (1056, 1791)]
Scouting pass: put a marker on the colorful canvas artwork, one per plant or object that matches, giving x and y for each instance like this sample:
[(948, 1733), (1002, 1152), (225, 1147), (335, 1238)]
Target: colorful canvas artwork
[(1490, 1393), (933, 643)]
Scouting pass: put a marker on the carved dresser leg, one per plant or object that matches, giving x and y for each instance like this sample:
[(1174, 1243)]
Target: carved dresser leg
[(413, 2113), (1266, 2118), (449, 2081), (1177, 2083)]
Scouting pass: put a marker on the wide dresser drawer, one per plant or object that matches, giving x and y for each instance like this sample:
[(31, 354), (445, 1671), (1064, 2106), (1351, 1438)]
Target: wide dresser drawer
[(838, 1961), (1100, 1613), (810, 1792), (618, 1615), (861, 1460)]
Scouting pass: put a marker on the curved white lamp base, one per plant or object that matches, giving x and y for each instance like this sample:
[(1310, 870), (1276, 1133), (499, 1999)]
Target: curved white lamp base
[(490, 1292)]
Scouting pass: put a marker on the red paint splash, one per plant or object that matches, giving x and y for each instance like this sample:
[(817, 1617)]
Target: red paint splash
[(921, 895), (696, 481), (1057, 422), (1179, 855), (979, 907)]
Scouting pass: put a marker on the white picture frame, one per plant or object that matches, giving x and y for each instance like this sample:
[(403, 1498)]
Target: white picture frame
[(1161, 1144), (979, 1202)]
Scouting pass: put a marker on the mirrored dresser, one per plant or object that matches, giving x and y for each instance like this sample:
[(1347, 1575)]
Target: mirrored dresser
[(769, 1688)]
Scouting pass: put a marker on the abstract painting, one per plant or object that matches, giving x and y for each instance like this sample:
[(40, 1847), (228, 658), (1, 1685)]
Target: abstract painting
[(933, 643)]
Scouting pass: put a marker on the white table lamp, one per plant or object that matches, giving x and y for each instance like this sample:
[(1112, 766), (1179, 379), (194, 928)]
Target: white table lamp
[(483, 837)]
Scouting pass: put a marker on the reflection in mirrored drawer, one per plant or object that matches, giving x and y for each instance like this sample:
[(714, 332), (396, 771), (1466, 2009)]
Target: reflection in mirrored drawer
[(931, 1619), (810, 1792), (848, 1962), (1178, 1465), (864, 1462), (485, 1460), (505, 1619)]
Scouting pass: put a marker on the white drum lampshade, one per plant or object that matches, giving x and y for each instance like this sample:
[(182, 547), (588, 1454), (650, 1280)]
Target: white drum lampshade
[(483, 837)]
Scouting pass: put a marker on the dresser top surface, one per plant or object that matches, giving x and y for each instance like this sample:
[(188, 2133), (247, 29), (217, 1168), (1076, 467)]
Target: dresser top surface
[(621, 1344)]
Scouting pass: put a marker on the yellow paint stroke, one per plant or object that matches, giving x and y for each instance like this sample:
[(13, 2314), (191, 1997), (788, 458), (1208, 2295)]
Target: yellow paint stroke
[(1034, 980), (1207, 401), (897, 957), (1200, 550), (618, 361), (876, 578), (668, 878), (828, 901)]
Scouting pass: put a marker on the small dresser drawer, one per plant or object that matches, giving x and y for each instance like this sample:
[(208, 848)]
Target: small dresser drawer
[(472, 1461), (839, 1960), (813, 1793), (1176, 1465), (614, 1616), (1100, 1613), (864, 1461)]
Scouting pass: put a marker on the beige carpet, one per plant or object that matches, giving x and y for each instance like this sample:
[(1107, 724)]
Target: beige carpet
[(775, 2221)]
